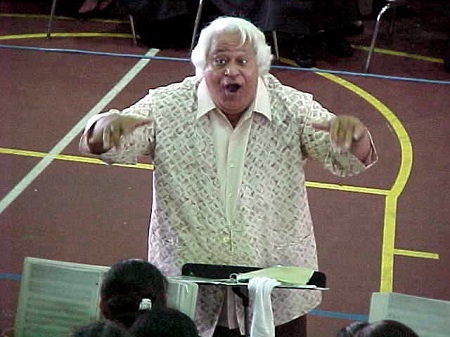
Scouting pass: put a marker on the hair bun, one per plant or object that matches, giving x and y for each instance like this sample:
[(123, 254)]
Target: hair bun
[(123, 303)]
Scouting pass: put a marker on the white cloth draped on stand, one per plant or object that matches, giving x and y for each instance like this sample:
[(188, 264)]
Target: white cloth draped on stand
[(260, 289)]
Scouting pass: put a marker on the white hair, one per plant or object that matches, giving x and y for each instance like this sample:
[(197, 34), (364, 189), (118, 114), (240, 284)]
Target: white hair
[(226, 24)]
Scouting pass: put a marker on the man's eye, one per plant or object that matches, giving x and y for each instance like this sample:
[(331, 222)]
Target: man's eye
[(219, 62), (243, 61)]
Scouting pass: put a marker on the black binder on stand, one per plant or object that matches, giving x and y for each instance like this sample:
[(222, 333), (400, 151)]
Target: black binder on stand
[(223, 272), (237, 277)]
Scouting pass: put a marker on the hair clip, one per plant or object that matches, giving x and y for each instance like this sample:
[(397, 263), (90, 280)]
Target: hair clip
[(146, 304)]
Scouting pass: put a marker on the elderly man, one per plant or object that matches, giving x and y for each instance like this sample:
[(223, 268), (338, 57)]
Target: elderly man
[(228, 146)]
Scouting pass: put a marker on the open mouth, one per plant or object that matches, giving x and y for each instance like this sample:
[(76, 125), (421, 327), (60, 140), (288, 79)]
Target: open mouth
[(232, 88)]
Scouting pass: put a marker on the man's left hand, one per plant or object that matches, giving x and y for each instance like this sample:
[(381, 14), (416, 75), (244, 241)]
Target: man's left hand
[(343, 130)]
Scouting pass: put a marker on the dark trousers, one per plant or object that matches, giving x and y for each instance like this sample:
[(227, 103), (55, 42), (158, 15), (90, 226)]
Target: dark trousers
[(295, 328)]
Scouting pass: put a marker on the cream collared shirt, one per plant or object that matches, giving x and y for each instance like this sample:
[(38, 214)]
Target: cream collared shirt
[(230, 145)]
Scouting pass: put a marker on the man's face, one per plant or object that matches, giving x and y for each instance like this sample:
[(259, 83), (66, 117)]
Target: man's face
[(231, 73)]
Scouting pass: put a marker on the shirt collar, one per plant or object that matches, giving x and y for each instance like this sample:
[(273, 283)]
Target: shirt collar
[(261, 103)]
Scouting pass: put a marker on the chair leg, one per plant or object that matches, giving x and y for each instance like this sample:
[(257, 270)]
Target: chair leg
[(133, 29), (374, 36), (197, 23), (275, 44), (392, 24), (50, 21)]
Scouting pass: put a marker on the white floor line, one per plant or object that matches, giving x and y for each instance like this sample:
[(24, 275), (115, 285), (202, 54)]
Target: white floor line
[(69, 137)]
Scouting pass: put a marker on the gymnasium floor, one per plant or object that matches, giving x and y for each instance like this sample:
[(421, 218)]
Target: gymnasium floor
[(384, 230)]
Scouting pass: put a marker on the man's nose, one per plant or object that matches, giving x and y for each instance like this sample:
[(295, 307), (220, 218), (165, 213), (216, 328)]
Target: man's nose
[(231, 70)]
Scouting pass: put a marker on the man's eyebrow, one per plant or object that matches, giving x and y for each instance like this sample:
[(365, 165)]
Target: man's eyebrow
[(224, 50)]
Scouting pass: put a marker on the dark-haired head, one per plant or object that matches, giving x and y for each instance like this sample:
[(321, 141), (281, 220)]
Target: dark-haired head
[(101, 329), (124, 287), (352, 329), (386, 328), (165, 322)]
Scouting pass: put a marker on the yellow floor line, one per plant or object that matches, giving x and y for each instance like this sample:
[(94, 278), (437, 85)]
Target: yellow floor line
[(288, 62), (347, 188), (82, 35), (413, 253), (65, 157), (402, 54), (125, 35), (90, 160), (390, 216), (57, 17)]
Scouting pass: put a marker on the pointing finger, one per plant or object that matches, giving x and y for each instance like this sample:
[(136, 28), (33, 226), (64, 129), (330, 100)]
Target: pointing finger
[(144, 121), (106, 138), (348, 140), (116, 132), (359, 133), (322, 126)]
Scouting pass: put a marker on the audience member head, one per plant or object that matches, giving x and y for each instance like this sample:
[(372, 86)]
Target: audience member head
[(352, 329), (129, 284), (101, 329), (165, 322), (225, 25), (386, 328)]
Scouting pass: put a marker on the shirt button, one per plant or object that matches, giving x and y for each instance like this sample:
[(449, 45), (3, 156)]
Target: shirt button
[(230, 195), (226, 239), (232, 165)]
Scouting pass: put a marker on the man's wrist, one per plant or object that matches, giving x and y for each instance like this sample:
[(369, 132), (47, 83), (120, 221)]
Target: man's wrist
[(361, 147)]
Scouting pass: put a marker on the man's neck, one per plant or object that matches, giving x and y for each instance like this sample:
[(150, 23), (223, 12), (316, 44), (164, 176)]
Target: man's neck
[(234, 118)]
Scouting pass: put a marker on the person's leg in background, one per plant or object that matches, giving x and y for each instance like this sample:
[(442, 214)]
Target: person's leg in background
[(90, 6), (349, 16), (294, 21), (343, 19), (294, 328), (447, 55), (225, 332)]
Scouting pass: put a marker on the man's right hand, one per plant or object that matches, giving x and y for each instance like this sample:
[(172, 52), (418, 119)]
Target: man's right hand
[(106, 132)]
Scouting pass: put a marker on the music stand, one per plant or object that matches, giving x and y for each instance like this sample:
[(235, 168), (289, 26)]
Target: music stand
[(210, 274)]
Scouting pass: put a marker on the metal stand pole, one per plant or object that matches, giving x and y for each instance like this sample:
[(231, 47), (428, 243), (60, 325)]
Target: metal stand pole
[(390, 4), (245, 302), (275, 44), (197, 23), (133, 30), (50, 21)]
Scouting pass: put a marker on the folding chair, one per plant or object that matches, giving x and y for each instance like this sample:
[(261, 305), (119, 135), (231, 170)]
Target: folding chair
[(389, 4), (426, 316), (52, 15)]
